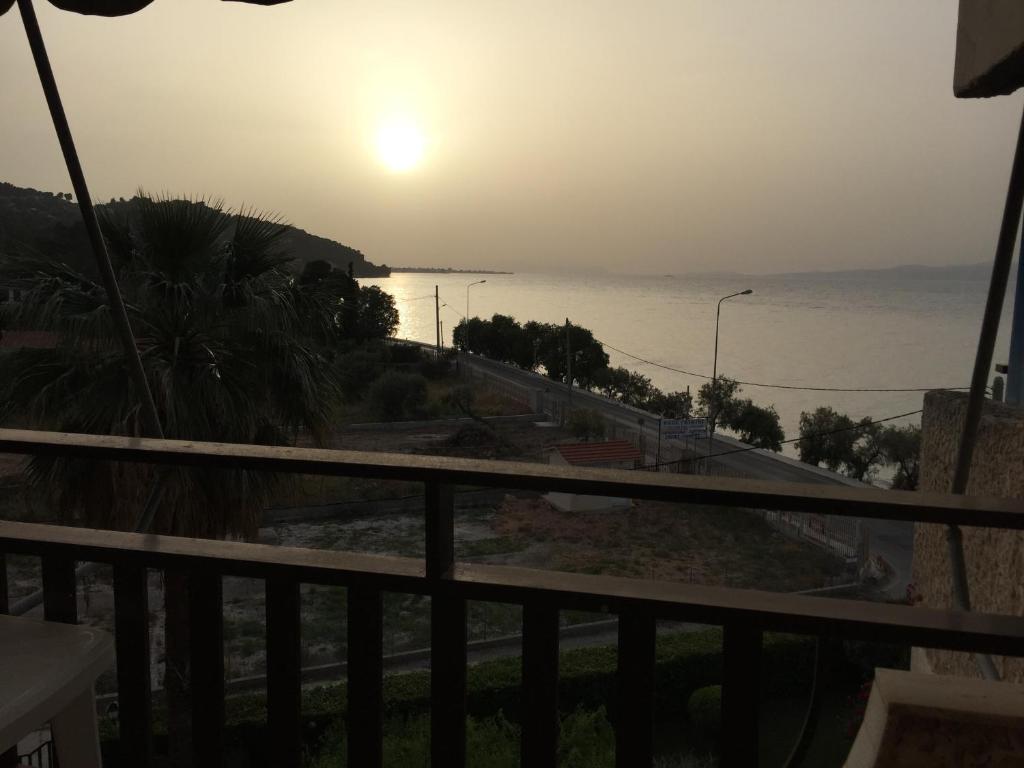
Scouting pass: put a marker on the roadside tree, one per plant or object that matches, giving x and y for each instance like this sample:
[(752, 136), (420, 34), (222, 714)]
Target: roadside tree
[(901, 448), (626, 386), (477, 329), (837, 442), (716, 399), (671, 405), (589, 359), (376, 314), (826, 438), (756, 425)]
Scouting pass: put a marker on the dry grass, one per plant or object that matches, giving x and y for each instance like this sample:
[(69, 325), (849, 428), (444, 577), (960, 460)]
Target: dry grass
[(668, 542)]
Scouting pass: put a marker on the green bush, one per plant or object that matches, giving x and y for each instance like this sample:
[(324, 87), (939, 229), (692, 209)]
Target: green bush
[(685, 662), (406, 354), (397, 396), (586, 740), (585, 424), (358, 369), (704, 710)]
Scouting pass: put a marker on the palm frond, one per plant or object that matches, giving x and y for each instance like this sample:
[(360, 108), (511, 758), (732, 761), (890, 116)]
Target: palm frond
[(254, 247), (229, 343), (181, 238)]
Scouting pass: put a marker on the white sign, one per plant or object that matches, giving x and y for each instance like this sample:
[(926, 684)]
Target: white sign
[(680, 429)]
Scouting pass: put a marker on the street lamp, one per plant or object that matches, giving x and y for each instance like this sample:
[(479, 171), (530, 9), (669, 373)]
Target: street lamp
[(714, 371), (478, 282)]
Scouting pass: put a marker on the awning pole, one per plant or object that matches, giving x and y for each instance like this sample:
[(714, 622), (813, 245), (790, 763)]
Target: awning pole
[(979, 380), (151, 420)]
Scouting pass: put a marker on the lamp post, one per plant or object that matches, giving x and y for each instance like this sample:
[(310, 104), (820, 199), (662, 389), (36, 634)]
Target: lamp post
[(478, 282), (714, 373)]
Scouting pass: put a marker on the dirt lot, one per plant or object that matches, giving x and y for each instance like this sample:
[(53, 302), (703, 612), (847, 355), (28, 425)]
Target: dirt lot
[(667, 542), (506, 441)]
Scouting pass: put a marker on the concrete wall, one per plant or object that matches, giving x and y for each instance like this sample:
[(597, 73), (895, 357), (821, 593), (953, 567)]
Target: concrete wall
[(995, 559)]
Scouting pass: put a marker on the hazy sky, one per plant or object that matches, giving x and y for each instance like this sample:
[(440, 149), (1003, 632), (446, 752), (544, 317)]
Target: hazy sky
[(648, 136)]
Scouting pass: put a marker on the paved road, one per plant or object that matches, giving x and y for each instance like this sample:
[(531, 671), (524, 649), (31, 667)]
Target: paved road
[(892, 539)]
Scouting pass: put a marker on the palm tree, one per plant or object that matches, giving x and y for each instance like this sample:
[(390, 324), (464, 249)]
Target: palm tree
[(231, 347)]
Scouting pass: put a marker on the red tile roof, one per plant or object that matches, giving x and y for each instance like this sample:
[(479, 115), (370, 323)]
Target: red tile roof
[(599, 453)]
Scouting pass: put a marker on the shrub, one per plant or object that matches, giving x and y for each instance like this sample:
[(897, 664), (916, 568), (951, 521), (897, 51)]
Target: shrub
[(586, 424), (397, 396), (435, 367), (704, 709), (586, 740), (405, 354), (686, 661), (358, 369)]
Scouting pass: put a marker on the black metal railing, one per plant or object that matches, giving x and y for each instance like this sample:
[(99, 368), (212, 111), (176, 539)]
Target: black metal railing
[(744, 614), (42, 756)]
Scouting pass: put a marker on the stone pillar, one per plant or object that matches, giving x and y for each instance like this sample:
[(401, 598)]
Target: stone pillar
[(995, 558)]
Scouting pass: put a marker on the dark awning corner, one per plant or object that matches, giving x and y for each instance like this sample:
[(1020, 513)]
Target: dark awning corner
[(989, 48), (115, 7)]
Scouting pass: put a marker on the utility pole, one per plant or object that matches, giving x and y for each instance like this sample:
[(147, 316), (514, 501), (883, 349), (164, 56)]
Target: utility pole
[(568, 362), (440, 335), (1015, 368), (437, 318)]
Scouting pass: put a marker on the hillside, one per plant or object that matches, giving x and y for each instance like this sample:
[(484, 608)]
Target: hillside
[(308, 247), (38, 222), (975, 271)]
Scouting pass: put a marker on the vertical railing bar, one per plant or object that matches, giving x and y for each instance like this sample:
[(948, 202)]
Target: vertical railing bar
[(540, 686), (9, 758), (447, 633), (447, 680), (634, 716), (284, 669), (60, 598), (813, 713), (131, 636), (440, 530), (5, 605), (741, 686), (206, 678), (365, 677)]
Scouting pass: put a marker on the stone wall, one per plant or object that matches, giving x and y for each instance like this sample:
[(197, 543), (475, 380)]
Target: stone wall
[(995, 558)]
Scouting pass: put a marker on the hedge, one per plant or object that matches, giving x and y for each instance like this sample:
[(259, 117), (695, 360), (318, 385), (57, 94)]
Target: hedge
[(685, 661)]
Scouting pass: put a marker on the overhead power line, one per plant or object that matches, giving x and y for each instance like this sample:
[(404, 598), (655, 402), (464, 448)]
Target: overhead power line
[(858, 426), (776, 386), (855, 427)]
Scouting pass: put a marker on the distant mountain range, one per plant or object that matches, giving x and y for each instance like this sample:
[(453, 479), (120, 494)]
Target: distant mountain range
[(49, 223), (981, 270), (977, 271), (448, 271)]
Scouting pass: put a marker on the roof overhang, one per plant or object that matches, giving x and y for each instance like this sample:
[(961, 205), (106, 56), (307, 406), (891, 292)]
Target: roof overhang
[(989, 48), (115, 7)]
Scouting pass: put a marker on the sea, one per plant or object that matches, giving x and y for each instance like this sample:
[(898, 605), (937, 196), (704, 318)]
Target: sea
[(888, 329)]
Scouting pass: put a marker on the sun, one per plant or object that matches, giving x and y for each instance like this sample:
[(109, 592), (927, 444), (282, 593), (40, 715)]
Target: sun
[(400, 144)]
